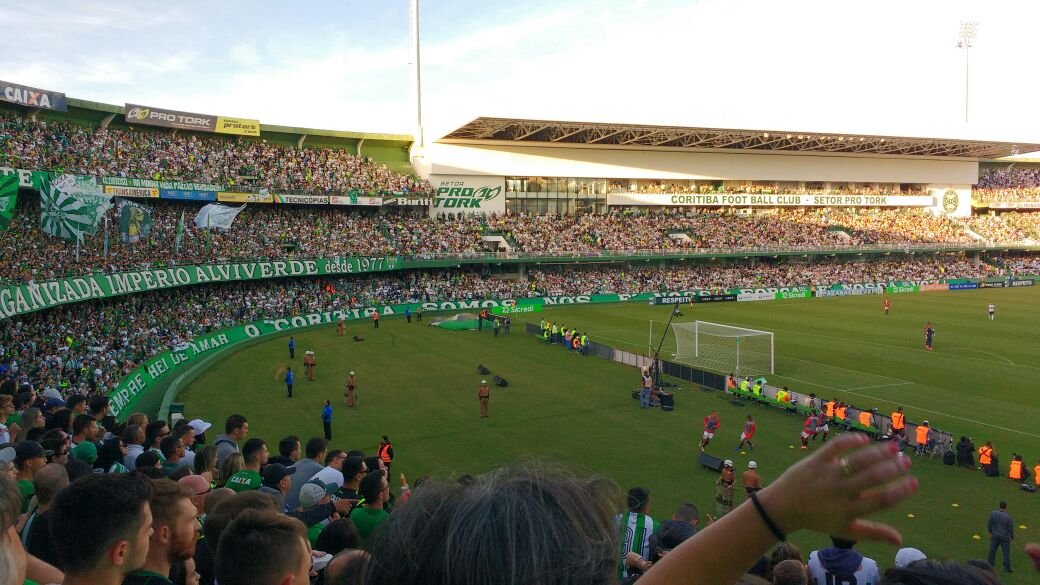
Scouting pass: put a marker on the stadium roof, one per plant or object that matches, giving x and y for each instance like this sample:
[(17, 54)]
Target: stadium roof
[(545, 132)]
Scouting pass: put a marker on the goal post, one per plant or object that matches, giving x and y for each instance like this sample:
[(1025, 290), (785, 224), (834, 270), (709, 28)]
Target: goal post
[(724, 348)]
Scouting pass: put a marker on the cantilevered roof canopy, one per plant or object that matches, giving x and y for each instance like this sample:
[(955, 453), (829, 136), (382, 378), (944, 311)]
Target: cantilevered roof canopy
[(542, 132)]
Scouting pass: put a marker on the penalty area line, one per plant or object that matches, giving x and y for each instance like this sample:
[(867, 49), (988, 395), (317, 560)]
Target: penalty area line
[(942, 414)]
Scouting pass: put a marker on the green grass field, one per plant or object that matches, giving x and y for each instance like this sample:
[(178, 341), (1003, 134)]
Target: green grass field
[(418, 384)]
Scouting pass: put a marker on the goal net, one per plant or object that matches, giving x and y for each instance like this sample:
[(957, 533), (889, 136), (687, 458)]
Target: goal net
[(722, 348)]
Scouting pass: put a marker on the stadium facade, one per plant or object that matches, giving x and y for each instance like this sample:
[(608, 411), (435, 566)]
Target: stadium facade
[(532, 166)]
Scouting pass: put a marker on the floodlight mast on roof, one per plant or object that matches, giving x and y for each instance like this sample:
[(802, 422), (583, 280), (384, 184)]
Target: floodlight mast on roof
[(969, 29), (413, 20)]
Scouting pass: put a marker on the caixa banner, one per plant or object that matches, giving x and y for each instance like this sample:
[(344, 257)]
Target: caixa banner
[(470, 194), (32, 97)]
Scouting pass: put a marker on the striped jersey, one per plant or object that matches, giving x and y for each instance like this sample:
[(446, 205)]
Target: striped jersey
[(634, 530)]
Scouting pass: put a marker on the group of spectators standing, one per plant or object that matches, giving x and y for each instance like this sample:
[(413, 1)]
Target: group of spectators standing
[(1008, 185), (106, 503)]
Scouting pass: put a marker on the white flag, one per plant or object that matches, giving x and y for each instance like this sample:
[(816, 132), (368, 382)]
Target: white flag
[(216, 216)]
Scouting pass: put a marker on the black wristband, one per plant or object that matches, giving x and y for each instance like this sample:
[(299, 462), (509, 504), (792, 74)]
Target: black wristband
[(765, 518)]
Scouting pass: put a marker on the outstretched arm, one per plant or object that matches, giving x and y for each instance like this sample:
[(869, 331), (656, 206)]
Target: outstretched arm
[(829, 492)]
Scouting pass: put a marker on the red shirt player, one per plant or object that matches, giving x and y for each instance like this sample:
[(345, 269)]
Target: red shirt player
[(711, 425), (888, 305)]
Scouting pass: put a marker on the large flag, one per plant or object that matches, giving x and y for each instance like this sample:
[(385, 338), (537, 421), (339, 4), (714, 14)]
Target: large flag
[(8, 199), (217, 217), (72, 213), (180, 233), (135, 221)]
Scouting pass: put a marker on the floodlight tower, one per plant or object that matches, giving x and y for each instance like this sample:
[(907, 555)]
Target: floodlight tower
[(968, 31), (413, 14)]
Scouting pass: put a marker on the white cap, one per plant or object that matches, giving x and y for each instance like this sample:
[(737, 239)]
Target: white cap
[(905, 556), (728, 463), (752, 465), (329, 475), (52, 393), (7, 455), (352, 373), (199, 426), (924, 422), (483, 381)]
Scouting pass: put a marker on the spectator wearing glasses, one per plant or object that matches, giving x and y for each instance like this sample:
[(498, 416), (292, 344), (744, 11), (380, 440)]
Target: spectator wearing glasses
[(111, 456), (156, 431)]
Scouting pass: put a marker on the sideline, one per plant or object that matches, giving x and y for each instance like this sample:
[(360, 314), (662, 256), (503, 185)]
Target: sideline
[(855, 390), (902, 403)]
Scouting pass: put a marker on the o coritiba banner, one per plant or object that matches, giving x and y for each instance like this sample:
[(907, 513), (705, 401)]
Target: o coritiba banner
[(26, 298)]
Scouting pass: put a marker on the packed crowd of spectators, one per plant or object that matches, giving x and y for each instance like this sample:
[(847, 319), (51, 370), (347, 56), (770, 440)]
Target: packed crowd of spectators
[(147, 153), (288, 232), (997, 228), (1008, 185), (88, 348)]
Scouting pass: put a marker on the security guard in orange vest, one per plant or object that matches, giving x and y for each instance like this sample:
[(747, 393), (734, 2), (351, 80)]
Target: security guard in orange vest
[(828, 408), (1036, 473), (1016, 468), (986, 456), (386, 452), (898, 422), (839, 411), (922, 437), (865, 418)]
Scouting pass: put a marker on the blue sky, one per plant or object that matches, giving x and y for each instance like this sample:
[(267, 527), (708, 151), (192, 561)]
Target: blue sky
[(884, 67)]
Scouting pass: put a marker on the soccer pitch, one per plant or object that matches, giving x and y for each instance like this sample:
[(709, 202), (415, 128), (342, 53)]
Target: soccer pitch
[(418, 385)]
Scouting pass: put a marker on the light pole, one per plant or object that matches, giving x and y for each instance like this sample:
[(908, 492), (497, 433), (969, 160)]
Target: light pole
[(416, 70), (968, 32)]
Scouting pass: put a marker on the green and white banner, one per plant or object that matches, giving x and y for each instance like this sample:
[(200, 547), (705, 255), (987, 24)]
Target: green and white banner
[(8, 199), (71, 208), (26, 298)]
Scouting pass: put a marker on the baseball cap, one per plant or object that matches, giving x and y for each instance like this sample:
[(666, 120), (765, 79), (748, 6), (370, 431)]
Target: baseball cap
[(313, 491), (85, 452), (752, 465), (483, 381), (199, 426), (54, 403), (352, 373), (728, 463), (908, 555), (7, 455), (274, 473), (26, 450), (52, 393), (924, 422), (329, 476)]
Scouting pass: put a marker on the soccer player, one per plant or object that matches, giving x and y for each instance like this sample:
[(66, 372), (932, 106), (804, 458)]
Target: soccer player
[(992, 309), (812, 423), (929, 335), (888, 305), (746, 434), (711, 424)]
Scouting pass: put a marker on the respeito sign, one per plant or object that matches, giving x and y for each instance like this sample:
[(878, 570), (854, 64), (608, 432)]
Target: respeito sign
[(44, 99), (470, 194)]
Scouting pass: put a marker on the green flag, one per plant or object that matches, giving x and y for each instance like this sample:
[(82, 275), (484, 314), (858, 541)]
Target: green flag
[(8, 199), (70, 214), (180, 232), (135, 221)]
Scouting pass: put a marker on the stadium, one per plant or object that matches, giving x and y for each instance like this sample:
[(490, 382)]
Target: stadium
[(545, 328)]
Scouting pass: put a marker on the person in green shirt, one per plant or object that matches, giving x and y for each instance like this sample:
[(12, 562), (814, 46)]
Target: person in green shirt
[(375, 489), (30, 457), (255, 454)]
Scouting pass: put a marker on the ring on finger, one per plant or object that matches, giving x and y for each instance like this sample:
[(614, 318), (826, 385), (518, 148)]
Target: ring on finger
[(846, 468)]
